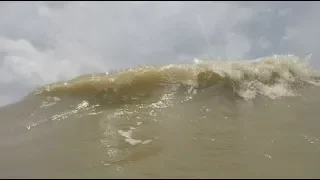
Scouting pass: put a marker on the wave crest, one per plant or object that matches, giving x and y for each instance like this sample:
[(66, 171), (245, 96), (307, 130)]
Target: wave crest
[(273, 76)]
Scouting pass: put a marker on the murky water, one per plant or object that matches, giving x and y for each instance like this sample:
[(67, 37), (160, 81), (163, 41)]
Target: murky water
[(212, 133)]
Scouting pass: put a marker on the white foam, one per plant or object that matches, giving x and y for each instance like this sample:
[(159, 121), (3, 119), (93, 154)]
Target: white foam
[(33, 124), (49, 101), (82, 105), (146, 141), (251, 76), (133, 141), (94, 113), (128, 136), (268, 156)]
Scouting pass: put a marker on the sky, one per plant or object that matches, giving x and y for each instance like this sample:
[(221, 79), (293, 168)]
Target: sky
[(45, 42)]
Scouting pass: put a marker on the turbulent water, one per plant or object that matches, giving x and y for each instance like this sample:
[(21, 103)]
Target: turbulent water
[(256, 118)]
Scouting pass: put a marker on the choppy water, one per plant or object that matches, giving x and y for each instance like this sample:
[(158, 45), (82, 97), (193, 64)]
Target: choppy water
[(208, 119)]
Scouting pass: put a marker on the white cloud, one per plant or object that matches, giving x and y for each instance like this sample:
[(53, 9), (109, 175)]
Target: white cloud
[(25, 64)]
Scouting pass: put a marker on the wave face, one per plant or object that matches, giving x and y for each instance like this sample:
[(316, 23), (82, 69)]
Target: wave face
[(254, 118), (273, 77)]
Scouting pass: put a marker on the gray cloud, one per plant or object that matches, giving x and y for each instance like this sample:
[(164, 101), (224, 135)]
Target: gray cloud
[(43, 42)]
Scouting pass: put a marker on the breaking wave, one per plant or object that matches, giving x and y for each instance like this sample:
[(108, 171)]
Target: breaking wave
[(274, 76)]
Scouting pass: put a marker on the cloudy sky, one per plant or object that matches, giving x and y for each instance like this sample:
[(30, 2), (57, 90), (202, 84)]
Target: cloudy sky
[(43, 42)]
